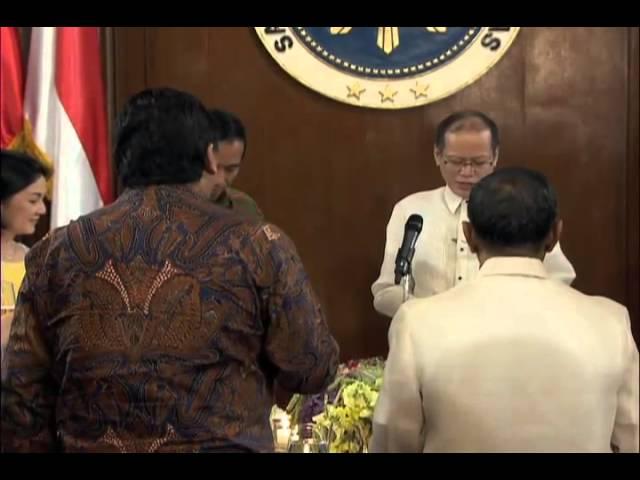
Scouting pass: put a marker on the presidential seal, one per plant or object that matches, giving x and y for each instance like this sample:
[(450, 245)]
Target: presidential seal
[(387, 67)]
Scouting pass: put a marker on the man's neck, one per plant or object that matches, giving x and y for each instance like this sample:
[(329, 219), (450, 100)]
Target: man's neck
[(199, 189), (485, 255)]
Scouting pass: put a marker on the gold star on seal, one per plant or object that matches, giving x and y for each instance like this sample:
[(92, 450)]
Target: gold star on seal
[(355, 90), (420, 90), (387, 94)]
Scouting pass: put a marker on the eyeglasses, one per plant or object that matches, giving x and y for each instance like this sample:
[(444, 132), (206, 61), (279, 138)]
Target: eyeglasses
[(477, 164)]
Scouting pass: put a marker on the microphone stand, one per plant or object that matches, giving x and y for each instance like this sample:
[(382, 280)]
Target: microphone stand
[(406, 284)]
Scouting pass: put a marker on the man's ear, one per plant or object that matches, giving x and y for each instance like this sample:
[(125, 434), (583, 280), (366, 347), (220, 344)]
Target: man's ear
[(437, 155), (470, 235), (211, 161), (553, 237)]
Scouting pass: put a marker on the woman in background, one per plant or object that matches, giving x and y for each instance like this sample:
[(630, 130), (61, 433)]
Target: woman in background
[(23, 188)]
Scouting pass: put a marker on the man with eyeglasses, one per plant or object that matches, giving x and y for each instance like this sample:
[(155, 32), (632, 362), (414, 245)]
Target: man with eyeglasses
[(466, 149)]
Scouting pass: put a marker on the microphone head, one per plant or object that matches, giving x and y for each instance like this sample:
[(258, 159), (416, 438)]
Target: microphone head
[(414, 223), (412, 229)]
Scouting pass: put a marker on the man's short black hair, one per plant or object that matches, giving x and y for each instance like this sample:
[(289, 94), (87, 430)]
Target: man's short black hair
[(161, 137), (460, 120), (513, 207), (229, 127)]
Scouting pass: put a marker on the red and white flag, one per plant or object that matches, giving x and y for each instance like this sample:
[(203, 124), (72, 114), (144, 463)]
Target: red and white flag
[(11, 88), (65, 109)]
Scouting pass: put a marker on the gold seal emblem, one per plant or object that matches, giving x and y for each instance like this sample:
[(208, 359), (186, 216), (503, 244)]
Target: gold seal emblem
[(387, 67)]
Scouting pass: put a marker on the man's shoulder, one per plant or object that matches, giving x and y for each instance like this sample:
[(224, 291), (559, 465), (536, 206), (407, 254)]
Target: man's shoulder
[(239, 195), (435, 309), (53, 240), (567, 298), (265, 247), (600, 315), (424, 198), (268, 235), (444, 298), (596, 305), (242, 202)]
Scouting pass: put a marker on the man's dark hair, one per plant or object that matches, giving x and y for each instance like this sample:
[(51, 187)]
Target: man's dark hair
[(161, 137), (229, 127), (18, 171), (465, 119), (513, 207)]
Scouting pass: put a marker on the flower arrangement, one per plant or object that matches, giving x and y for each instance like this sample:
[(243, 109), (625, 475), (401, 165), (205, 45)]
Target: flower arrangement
[(342, 415)]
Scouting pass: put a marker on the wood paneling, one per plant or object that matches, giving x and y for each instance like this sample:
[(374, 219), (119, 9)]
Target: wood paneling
[(566, 100)]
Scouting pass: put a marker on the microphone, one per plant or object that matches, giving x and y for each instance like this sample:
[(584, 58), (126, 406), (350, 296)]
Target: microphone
[(412, 229)]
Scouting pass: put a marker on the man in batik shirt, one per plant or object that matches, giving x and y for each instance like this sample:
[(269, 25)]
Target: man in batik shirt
[(160, 323)]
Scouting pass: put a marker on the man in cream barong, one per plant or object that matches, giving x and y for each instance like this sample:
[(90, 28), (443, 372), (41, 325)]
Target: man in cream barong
[(511, 361)]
